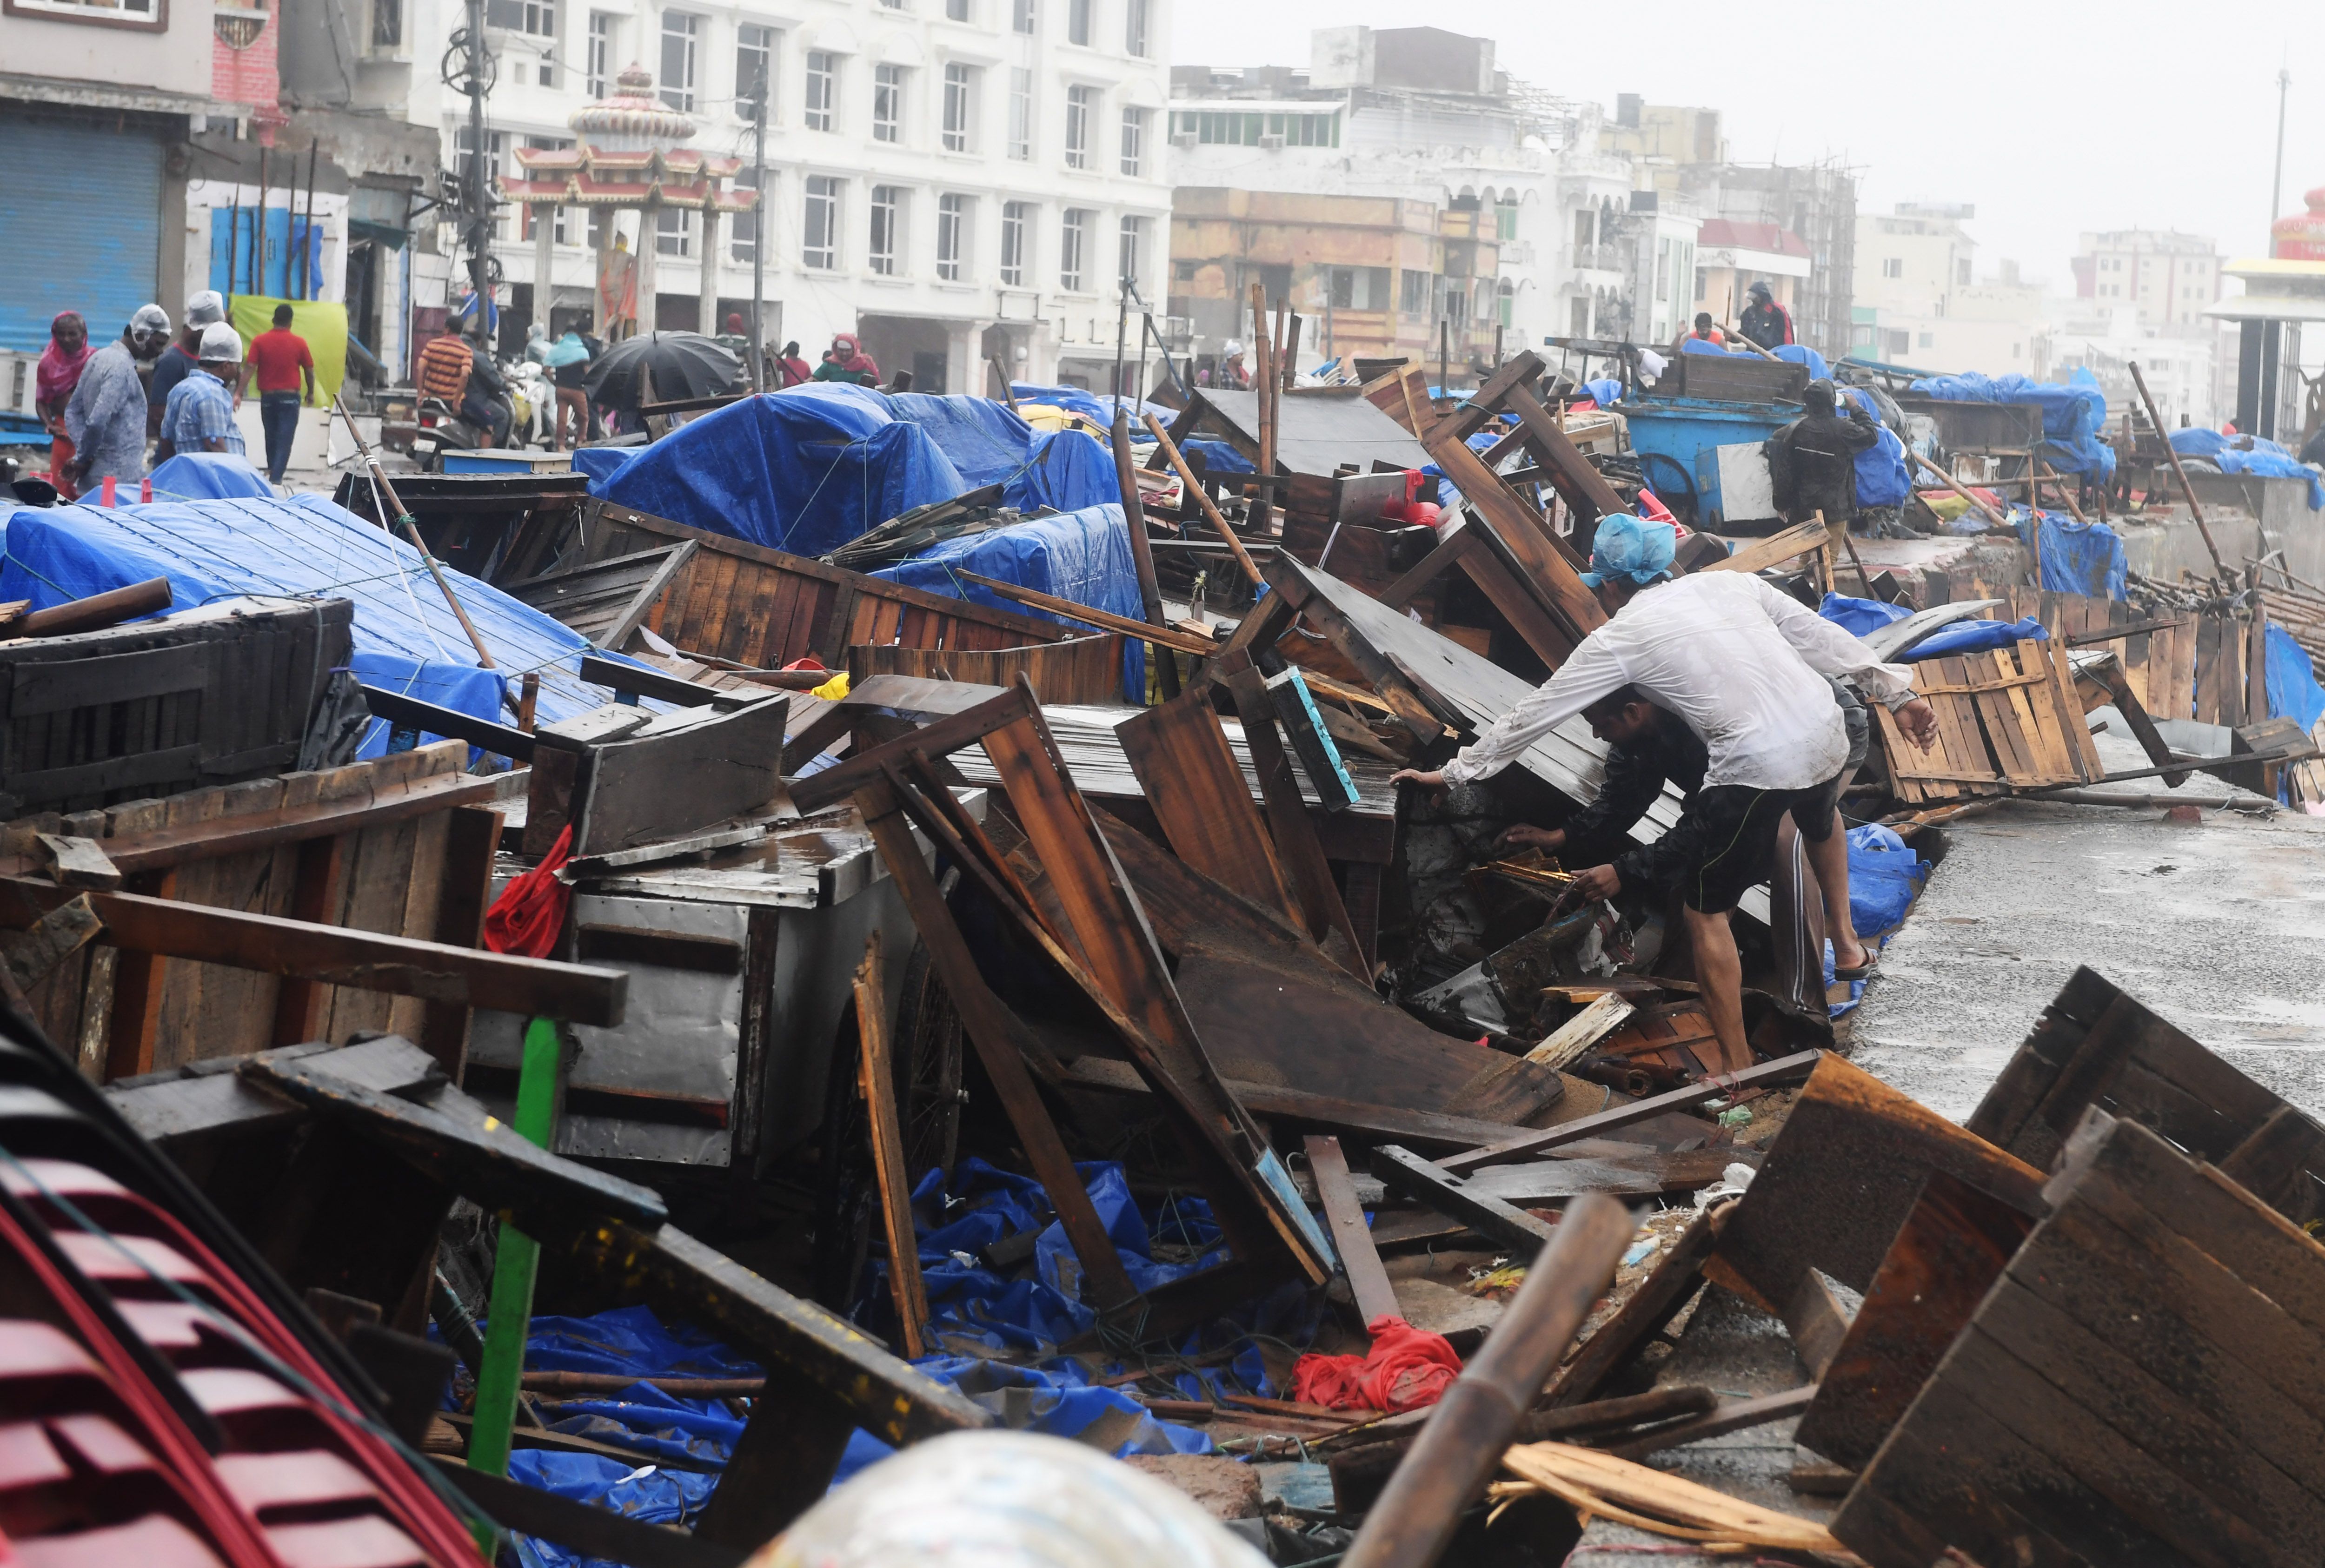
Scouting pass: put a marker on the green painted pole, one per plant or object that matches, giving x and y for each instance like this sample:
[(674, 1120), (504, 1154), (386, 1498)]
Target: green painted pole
[(510, 1313)]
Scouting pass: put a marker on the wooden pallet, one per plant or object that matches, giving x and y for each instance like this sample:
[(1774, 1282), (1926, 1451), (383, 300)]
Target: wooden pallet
[(2009, 719), (762, 609)]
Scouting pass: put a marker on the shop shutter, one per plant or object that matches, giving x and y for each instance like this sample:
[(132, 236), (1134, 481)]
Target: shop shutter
[(81, 208)]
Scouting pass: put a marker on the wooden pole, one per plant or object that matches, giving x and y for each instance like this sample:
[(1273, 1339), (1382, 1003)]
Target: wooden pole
[(1957, 486), (412, 532), (1264, 352), (1171, 451), (876, 1078), (258, 238), (307, 234), (2066, 494), (1142, 548), (1000, 374), (2194, 509)]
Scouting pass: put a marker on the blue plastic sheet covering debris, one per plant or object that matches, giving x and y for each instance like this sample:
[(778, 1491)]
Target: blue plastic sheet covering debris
[(1974, 637), (2077, 557), (1860, 617), (2265, 458), (1882, 477), (209, 476), (2073, 414), (1606, 391), (1082, 555), (990, 443), (642, 1418), (2293, 692), (1218, 456), (1884, 877), (805, 469), (602, 463), (406, 637)]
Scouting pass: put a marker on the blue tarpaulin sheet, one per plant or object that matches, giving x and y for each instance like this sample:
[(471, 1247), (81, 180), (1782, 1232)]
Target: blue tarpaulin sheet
[(1973, 637), (2077, 557), (602, 463), (2074, 414), (1859, 617), (2293, 692), (1083, 556), (804, 470), (406, 637), (1218, 456), (2265, 458), (209, 476), (1882, 477), (1790, 353), (1885, 876), (1606, 391), (989, 444)]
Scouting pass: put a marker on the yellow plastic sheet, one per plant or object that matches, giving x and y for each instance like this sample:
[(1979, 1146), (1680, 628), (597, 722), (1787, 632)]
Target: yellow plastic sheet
[(323, 323)]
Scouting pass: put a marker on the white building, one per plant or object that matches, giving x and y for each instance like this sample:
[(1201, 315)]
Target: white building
[(1919, 301), (952, 179)]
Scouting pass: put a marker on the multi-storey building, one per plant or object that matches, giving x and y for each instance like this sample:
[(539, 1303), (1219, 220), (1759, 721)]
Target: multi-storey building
[(2167, 278), (955, 180), (1920, 302)]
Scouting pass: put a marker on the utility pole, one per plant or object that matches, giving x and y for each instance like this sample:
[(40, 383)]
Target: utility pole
[(759, 233), (477, 188), (2276, 183)]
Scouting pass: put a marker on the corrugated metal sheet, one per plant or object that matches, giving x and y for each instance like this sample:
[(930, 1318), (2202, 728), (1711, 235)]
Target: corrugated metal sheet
[(82, 211)]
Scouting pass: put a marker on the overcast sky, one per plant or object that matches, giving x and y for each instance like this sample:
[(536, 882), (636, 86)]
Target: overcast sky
[(2050, 119)]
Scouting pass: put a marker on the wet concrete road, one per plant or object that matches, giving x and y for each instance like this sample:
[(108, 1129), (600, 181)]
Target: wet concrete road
[(2219, 926)]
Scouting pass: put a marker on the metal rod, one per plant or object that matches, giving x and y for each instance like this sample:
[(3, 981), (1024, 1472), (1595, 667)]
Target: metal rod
[(307, 232), (412, 530), (2186, 489), (759, 234)]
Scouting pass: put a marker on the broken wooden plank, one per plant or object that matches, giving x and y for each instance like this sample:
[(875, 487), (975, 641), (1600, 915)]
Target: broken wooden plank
[(1180, 753), (1615, 1343), (1773, 551), (1784, 1070), (51, 939), (1732, 1416), (1367, 1281), (877, 1079), (365, 960), (77, 862), (1410, 1175), (1572, 1039)]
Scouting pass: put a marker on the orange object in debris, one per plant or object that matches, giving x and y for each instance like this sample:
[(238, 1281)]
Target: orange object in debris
[(1409, 1368), (529, 913)]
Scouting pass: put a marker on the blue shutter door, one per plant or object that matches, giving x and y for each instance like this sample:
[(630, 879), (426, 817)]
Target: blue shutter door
[(82, 211)]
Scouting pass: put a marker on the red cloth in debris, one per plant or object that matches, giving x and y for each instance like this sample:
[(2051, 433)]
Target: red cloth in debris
[(527, 917), (1409, 1368)]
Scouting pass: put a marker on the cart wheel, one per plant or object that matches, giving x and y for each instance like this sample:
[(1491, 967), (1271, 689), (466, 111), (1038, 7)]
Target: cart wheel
[(927, 1067)]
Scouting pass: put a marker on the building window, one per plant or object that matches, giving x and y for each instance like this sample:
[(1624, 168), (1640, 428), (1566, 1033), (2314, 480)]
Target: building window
[(1892, 266), (1413, 293), (755, 66), (1662, 269), (1131, 252), (1133, 140), (1246, 130), (1586, 235), (1134, 28), (1070, 241), (1079, 103), (959, 106), (822, 88), (1020, 15), (1506, 221), (1016, 223), (536, 17), (892, 5), (1020, 113), (956, 10), (1577, 313), (601, 54), (674, 232), (954, 214), (1506, 300), (1961, 271), (1077, 20), (743, 227), (1928, 340), (680, 33), (819, 223), (887, 104), (887, 219), (1358, 288)]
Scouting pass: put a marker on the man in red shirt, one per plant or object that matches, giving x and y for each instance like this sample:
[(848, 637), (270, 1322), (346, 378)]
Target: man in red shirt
[(276, 360)]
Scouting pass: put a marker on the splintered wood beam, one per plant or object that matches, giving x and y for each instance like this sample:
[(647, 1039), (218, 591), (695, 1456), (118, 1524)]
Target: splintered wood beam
[(876, 1076), (1773, 551), (1410, 1175), (1367, 1280), (1790, 1069), (1167, 636), (333, 955), (938, 739)]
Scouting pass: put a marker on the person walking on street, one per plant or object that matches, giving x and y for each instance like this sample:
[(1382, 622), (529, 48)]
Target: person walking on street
[(54, 378), (199, 416), (1812, 462), (276, 361), (105, 417), (1745, 668), (181, 356), (568, 363), (1764, 321)]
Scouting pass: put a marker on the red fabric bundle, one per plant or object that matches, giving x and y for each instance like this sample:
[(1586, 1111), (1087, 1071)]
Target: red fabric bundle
[(1409, 1368), (529, 913)]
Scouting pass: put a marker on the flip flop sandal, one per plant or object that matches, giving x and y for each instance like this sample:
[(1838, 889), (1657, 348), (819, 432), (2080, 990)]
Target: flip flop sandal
[(1862, 971)]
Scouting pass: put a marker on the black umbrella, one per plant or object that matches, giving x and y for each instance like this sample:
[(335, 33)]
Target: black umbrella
[(681, 364)]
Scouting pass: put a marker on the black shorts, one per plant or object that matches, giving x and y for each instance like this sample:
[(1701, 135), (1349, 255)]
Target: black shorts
[(1732, 833)]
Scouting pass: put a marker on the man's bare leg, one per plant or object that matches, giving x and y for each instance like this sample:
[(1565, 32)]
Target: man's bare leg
[(1719, 971), (1830, 861)]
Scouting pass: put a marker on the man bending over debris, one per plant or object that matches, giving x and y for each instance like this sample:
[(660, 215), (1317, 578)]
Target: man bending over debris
[(1726, 657)]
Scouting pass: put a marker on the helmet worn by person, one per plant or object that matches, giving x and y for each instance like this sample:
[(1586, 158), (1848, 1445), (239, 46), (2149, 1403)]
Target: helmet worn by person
[(221, 344)]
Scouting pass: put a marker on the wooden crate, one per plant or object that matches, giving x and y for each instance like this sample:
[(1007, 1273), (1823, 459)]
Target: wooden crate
[(126, 1013), (762, 609), (206, 695)]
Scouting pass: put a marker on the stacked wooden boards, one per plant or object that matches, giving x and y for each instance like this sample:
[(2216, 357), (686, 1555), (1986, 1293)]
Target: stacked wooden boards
[(2009, 719)]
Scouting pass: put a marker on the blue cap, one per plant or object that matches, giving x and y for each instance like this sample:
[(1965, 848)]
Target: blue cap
[(1630, 547)]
